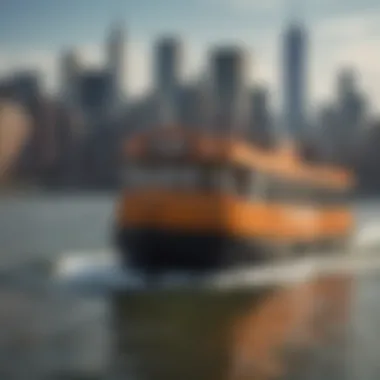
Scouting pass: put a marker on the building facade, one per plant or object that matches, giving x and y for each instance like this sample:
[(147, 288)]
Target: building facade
[(228, 89), (294, 81)]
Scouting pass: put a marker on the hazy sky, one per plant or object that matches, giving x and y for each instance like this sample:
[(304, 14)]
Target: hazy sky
[(341, 33)]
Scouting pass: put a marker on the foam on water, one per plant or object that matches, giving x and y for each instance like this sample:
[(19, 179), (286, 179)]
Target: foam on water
[(367, 237), (102, 272)]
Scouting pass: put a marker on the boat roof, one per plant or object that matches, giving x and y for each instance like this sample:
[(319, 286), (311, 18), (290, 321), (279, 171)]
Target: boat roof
[(282, 161)]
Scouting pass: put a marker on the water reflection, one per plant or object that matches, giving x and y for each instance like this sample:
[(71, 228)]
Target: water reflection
[(322, 329)]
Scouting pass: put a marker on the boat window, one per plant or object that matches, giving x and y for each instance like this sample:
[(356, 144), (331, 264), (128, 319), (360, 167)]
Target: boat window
[(280, 189), (334, 196), (221, 179), (286, 190), (244, 179), (210, 178), (165, 176), (259, 186), (324, 196), (272, 192), (237, 181), (290, 191), (306, 193), (216, 178)]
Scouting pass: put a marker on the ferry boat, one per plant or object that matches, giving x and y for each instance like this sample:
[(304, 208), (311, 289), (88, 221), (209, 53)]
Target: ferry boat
[(196, 201)]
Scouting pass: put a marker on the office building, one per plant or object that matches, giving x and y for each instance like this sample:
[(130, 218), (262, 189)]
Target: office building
[(168, 55), (116, 66), (70, 72), (260, 116), (294, 81), (167, 76), (327, 136), (228, 91), (351, 109), (94, 94), (192, 106), (24, 87), (351, 103)]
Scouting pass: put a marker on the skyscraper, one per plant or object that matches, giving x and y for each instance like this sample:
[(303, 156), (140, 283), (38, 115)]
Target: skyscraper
[(351, 111), (93, 94), (228, 72), (294, 96), (116, 65), (167, 72), (70, 71), (346, 82), (328, 133), (350, 102), (260, 116), (168, 65), (192, 105)]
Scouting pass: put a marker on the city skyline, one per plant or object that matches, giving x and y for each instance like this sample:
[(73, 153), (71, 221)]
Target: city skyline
[(73, 138), (344, 32)]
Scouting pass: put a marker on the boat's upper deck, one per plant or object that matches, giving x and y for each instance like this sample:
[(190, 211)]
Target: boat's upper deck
[(180, 145)]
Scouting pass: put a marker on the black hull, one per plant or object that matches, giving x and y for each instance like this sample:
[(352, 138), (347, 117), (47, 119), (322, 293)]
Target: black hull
[(157, 251)]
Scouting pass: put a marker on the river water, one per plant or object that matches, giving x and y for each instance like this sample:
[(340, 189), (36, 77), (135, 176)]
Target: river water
[(49, 224), (46, 225)]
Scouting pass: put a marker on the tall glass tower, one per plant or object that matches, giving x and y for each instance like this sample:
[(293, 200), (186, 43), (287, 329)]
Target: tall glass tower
[(228, 70), (167, 73), (294, 81), (116, 64)]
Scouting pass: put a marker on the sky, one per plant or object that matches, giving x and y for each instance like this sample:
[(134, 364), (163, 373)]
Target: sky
[(341, 33)]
